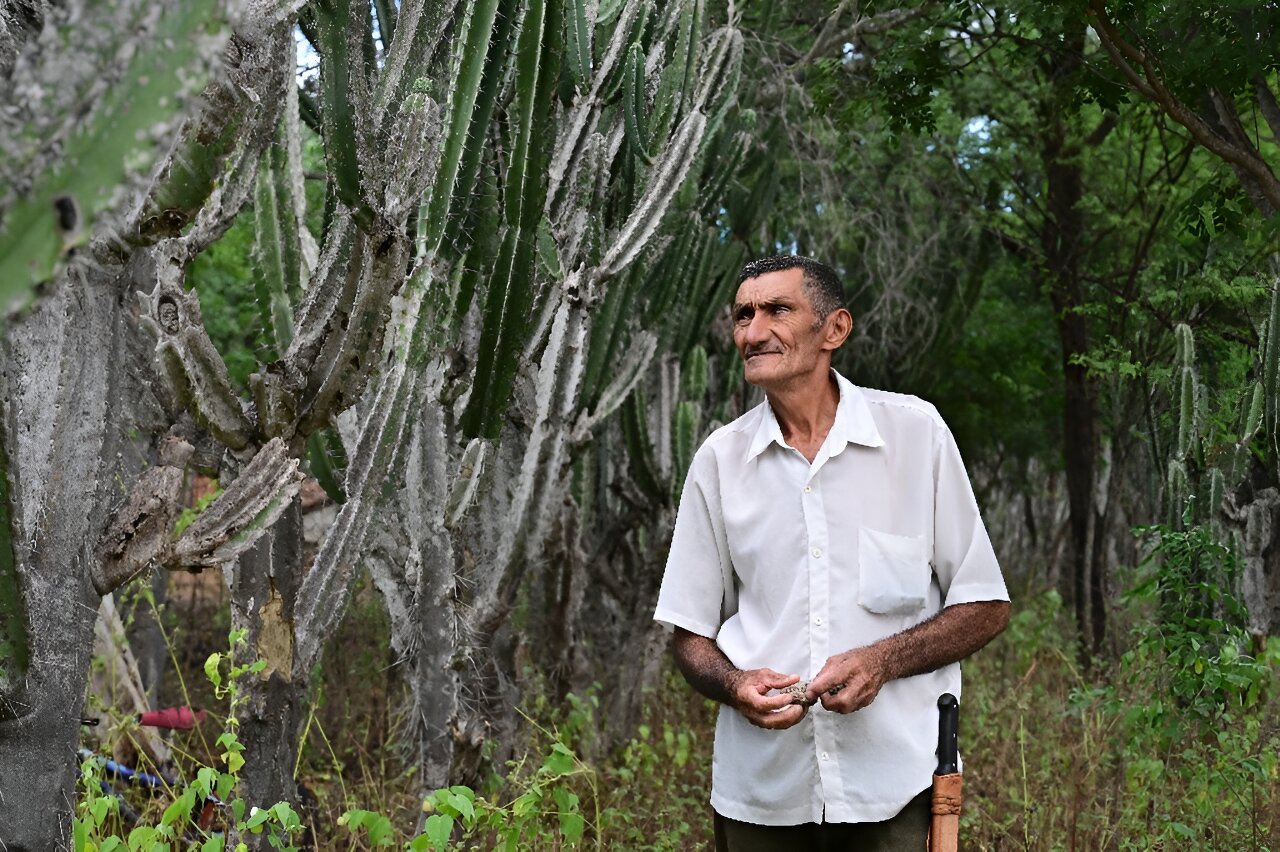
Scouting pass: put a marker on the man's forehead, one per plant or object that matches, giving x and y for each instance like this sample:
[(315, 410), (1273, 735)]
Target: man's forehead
[(784, 285)]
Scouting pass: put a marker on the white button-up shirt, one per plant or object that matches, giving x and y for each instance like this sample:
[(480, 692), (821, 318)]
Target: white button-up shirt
[(786, 563)]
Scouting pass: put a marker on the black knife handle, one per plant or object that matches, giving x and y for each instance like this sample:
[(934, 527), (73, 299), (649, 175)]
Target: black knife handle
[(948, 728)]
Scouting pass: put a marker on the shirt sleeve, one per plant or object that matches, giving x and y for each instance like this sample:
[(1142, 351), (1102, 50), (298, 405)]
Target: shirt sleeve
[(698, 591), (963, 559)]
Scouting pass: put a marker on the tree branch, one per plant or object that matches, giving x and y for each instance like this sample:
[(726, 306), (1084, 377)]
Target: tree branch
[(1245, 160), (883, 22), (1267, 106)]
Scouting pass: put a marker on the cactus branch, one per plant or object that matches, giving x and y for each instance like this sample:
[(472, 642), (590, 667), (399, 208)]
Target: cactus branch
[(241, 514), (196, 373), (669, 173), (100, 129)]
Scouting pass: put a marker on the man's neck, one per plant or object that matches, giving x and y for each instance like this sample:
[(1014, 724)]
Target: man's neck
[(806, 411)]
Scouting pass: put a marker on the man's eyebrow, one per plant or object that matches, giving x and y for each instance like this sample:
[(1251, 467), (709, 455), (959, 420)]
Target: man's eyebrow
[(771, 302)]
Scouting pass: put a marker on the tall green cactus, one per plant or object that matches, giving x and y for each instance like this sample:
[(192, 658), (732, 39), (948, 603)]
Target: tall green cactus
[(578, 38), (635, 429), (277, 250), (1271, 366), (509, 298), (609, 333), (1188, 396), (344, 95), (478, 64), (1197, 468)]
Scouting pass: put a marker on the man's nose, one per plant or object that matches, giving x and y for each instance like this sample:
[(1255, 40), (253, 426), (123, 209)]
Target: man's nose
[(757, 329)]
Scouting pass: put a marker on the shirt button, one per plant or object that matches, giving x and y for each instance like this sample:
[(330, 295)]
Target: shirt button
[(824, 756), (818, 621), (817, 552), (808, 489)]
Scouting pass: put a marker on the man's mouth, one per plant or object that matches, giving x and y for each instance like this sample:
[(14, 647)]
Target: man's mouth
[(751, 355)]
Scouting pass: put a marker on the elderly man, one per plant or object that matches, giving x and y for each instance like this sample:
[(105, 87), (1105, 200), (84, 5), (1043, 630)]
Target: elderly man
[(828, 570)]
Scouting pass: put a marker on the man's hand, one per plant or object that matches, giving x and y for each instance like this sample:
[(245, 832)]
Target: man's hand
[(852, 680), (709, 671), (849, 681), (750, 690)]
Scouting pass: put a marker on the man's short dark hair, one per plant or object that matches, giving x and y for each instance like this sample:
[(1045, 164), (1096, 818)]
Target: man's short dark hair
[(821, 283)]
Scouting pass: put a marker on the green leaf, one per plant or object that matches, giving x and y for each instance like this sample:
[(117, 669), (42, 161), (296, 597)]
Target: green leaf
[(206, 778), (225, 783), (438, 829), (180, 810), (212, 669), (257, 816), (560, 761), (525, 804), (572, 826), (463, 806), (284, 814), (380, 831), (141, 837)]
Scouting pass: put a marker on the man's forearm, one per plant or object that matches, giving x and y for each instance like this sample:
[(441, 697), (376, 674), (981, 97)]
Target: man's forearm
[(948, 637), (753, 693), (851, 680), (705, 666)]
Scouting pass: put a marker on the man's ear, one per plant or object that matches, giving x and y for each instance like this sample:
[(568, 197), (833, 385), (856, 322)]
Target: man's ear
[(836, 329)]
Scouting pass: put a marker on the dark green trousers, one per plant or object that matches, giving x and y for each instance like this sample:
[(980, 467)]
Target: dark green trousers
[(909, 830)]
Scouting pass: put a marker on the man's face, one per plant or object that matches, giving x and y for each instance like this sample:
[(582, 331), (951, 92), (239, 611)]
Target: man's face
[(776, 330)]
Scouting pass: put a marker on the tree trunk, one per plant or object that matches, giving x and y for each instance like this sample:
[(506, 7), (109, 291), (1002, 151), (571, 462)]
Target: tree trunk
[(1062, 242)]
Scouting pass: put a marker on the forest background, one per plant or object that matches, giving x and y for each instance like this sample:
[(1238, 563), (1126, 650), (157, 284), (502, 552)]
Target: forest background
[(355, 353)]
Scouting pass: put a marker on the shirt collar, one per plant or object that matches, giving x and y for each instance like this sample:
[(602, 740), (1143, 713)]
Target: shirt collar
[(853, 423)]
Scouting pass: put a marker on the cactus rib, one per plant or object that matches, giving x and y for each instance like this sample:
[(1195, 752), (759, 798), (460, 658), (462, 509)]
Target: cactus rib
[(669, 173), (476, 26)]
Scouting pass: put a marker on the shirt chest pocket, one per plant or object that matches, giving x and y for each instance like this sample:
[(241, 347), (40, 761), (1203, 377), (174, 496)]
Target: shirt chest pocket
[(893, 572)]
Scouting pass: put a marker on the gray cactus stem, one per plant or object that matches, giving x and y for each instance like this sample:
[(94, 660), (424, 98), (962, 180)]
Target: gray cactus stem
[(195, 371), (580, 123), (73, 398), (433, 678), (251, 504), (264, 590), (558, 375), (635, 363)]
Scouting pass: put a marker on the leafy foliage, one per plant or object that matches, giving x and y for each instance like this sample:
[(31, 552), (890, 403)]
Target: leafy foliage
[(183, 822)]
